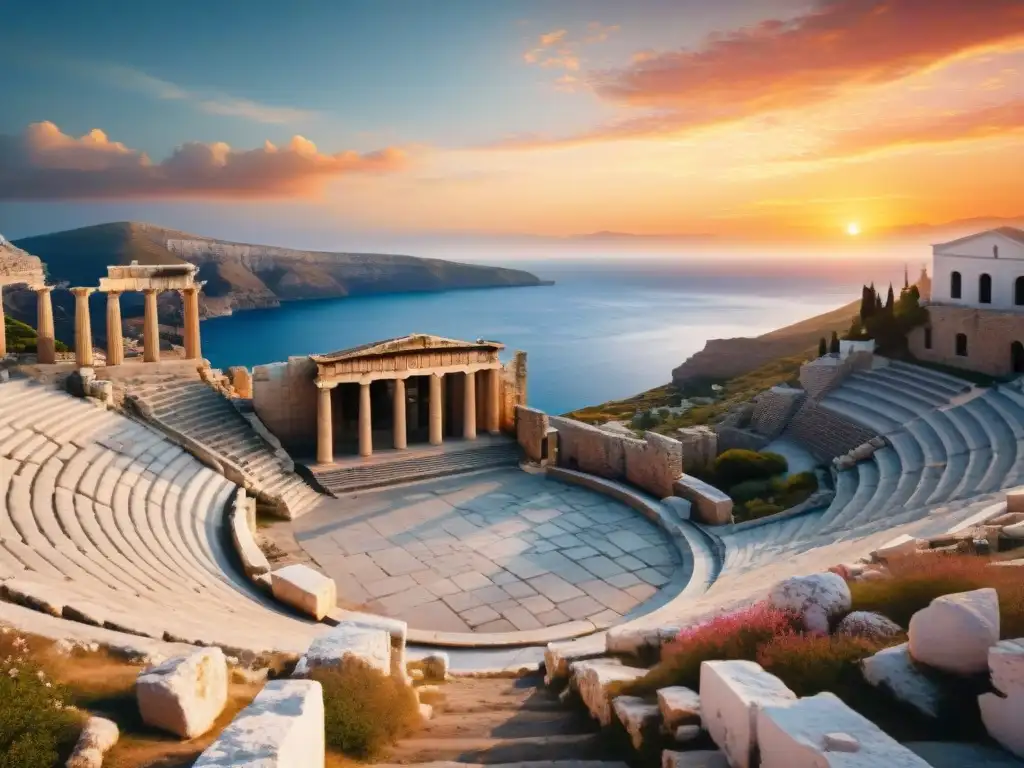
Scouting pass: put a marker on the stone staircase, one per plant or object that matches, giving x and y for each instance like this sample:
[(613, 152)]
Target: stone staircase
[(824, 432), (504, 721), (420, 463), (200, 413)]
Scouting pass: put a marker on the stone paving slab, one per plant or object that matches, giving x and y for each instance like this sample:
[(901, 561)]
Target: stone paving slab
[(502, 551)]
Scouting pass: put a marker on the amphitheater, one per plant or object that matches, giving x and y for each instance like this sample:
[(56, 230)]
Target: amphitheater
[(543, 542)]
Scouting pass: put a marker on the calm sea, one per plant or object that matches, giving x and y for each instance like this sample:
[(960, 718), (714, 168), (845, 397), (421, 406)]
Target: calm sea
[(603, 331)]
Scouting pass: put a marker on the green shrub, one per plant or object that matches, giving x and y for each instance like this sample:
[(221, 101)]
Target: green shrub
[(365, 711), (749, 490), (737, 465), (810, 664), (801, 481), (35, 728), (759, 508)]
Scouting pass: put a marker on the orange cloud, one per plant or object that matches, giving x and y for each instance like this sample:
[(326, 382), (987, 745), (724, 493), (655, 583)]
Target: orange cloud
[(43, 163), (838, 46), (989, 122), (558, 50)]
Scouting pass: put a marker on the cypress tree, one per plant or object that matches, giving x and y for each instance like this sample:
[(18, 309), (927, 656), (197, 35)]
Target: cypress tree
[(890, 300), (833, 346), (822, 347)]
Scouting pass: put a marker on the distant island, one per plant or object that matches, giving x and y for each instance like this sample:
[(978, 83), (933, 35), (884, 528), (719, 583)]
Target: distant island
[(250, 276)]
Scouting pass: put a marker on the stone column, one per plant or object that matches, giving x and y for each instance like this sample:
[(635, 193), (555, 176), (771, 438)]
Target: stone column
[(3, 329), (46, 342), (324, 426), (398, 409), (365, 421), (436, 422), (494, 401), (83, 327), (190, 307), (115, 343), (151, 329), (469, 407)]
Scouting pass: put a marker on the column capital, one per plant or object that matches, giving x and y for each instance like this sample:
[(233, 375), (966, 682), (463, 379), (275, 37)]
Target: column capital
[(325, 384), (113, 294), (44, 288), (82, 291), (149, 291)]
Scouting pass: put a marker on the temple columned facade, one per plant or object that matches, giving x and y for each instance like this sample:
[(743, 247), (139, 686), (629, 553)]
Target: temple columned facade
[(151, 280), (395, 394)]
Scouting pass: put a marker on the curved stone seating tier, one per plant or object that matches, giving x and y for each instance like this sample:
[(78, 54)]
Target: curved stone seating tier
[(105, 521), (200, 413)]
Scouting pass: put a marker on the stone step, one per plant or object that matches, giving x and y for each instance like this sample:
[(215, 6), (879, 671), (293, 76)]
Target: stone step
[(931, 377), (491, 751), (511, 724)]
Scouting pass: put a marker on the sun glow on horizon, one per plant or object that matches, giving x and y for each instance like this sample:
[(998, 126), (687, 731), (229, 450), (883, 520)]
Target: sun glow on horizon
[(853, 229)]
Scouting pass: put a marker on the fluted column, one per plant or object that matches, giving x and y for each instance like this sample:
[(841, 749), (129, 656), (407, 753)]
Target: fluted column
[(190, 307), (3, 328), (469, 407), (436, 422), (115, 343), (493, 401), (151, 329), (365, 421), (46, 342), (324, 426), (83, 327), (398, 408)]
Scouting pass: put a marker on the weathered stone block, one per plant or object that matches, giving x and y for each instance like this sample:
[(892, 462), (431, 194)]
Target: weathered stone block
[(640, 718), (531, 429), (369, 645), (184, 695), (96, 739), (1004, 719), (705, 758), (894, 670), (713, 507), (305, 590), (679, 706), (283, 727), (821, 731), (1006, 665), (592, 679), (955, 632), (654, 464), (867, 624), (731, 693)]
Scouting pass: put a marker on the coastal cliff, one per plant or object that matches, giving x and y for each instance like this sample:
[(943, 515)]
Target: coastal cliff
[(727, 358), (18, 266), (247, 276)]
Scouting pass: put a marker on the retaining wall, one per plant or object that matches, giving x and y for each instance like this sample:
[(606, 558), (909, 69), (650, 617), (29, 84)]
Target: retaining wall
[(285, 398), (700, 447), (531, 429), (773, 409), (653, 463)]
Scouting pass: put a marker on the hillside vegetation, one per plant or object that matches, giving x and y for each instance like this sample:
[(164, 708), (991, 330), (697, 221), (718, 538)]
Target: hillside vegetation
[(242, 276)]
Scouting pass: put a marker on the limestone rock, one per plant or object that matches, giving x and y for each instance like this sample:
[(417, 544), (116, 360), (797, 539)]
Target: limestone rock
[(97, 737), (868, 624), (283, 727), (955, 632), (1004, 719), (304, 589), (684, 734), (821, 731), (894, 670), (1015, 531), (369, 645), (898, 547), (709, 505), (186, 694), (817, 598), (681, 507), (1015, 500), (426, 711), (679, 706), (592, 679), (731, 692), (638, 717), (1006, 665), (705, 758)]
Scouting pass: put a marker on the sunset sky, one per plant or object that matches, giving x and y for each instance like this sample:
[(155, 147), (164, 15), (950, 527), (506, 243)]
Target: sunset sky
[(744, 119)]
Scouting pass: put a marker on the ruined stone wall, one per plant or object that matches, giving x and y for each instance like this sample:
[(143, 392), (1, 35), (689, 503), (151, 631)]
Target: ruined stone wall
[(513, 390), (990, 336), (819, 377), (285, 399), (653, 463), (825, 433), (531, 428), (773, 409), (699, 446), (241, 381)]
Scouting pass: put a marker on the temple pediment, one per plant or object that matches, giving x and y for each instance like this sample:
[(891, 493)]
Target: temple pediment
[(414, 343)]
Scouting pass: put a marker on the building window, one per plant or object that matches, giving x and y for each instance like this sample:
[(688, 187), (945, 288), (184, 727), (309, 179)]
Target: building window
[(954, 285), (927, 338), (961, 345), (1018, 292), (985, 289)]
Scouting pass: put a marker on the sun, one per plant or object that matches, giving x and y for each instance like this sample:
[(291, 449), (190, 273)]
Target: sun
[(853, 229)]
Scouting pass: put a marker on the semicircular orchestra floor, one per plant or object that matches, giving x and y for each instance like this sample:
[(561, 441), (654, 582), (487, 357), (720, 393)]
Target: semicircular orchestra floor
[(501, 551)]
